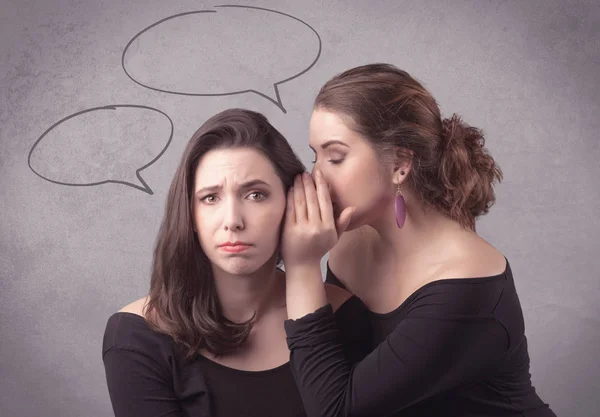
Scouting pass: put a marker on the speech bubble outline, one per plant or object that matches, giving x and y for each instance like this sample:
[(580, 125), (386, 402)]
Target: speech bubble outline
[(277, 101), (144, 187)]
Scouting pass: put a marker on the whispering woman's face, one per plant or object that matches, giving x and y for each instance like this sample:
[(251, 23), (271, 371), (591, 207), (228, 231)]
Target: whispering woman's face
[(352, 168)]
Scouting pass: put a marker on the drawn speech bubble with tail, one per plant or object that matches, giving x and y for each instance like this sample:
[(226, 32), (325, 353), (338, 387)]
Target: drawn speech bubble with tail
[(102, 145), (231, 50)]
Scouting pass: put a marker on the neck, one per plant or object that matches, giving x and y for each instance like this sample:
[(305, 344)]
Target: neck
[(242, 296), (422, 236)]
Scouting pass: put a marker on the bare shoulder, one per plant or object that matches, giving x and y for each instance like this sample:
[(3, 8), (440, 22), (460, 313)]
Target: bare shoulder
[(352, 252), (136, 307), (476, 259), (336, 296)]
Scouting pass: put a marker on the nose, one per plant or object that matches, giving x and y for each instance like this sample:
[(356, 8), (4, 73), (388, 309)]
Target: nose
[(233, 218)]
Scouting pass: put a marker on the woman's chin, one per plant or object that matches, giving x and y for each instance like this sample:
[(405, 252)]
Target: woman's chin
[(238, 265)]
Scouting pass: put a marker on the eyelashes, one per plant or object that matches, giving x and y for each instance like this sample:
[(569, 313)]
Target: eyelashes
[(214, 198), (261, 193), (331, 161)]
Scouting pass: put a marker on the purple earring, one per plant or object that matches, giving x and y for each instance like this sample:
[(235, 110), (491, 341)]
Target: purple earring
[(400, 207)]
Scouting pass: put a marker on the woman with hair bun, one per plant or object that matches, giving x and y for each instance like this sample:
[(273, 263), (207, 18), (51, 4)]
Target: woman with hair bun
[(395, 196)]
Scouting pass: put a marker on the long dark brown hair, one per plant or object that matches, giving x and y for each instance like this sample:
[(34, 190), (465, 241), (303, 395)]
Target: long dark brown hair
[(183, 302), (451, 168)]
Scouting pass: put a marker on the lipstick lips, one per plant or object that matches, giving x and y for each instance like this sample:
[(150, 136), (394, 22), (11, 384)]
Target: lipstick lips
[(234, 247)]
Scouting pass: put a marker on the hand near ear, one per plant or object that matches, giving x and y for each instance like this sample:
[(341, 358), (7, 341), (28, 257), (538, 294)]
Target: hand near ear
[(310, 229)]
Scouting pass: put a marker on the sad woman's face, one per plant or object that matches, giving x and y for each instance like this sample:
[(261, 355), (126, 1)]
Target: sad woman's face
[(239, 204)]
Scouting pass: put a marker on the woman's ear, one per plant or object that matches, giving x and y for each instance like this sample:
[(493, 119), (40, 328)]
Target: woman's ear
[(402, 165)]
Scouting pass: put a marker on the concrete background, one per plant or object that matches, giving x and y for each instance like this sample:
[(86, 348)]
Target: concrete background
[(75, 248)]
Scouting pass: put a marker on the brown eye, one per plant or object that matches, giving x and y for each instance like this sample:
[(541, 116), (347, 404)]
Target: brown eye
[(209, 199), (257, 196)]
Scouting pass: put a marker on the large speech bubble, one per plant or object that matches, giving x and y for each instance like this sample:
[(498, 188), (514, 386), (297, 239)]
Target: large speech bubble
[(235, 50), (102, 145)]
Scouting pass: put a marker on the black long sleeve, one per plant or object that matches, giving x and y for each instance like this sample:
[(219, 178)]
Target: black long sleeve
[(422, 357), (456, 343), (138, 386)]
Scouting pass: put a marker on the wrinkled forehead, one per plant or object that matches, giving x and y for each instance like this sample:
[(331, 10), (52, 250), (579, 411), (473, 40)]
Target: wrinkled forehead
[(231, 167)]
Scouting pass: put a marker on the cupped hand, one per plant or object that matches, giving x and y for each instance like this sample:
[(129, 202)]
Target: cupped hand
[(310, 229)]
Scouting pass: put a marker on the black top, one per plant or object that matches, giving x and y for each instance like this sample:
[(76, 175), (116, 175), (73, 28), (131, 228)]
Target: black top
[(455, 347), (148, 376)]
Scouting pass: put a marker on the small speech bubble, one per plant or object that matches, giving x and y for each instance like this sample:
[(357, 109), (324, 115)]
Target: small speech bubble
[(102, 145), (235, 50)]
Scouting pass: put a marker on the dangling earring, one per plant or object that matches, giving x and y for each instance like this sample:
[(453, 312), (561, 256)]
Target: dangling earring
[(400, 208)]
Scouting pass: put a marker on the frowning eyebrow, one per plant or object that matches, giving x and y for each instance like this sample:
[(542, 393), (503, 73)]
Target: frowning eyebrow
[(329, 143), (247, 184)]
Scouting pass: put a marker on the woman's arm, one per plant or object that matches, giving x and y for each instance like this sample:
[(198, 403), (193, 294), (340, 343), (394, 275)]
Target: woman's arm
[(424, 356), (310, 231), (138, 386), (304, 289)]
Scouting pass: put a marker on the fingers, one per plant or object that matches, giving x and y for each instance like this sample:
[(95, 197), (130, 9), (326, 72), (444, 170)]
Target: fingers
[(312, 202), (324, 198), (299, 200), (344, 220), (290, 212)]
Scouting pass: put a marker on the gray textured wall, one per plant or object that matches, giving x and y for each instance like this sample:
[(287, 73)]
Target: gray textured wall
[(527, 72)]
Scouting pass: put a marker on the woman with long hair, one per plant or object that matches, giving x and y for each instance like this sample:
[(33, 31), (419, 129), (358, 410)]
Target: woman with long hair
[(208, 339)]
